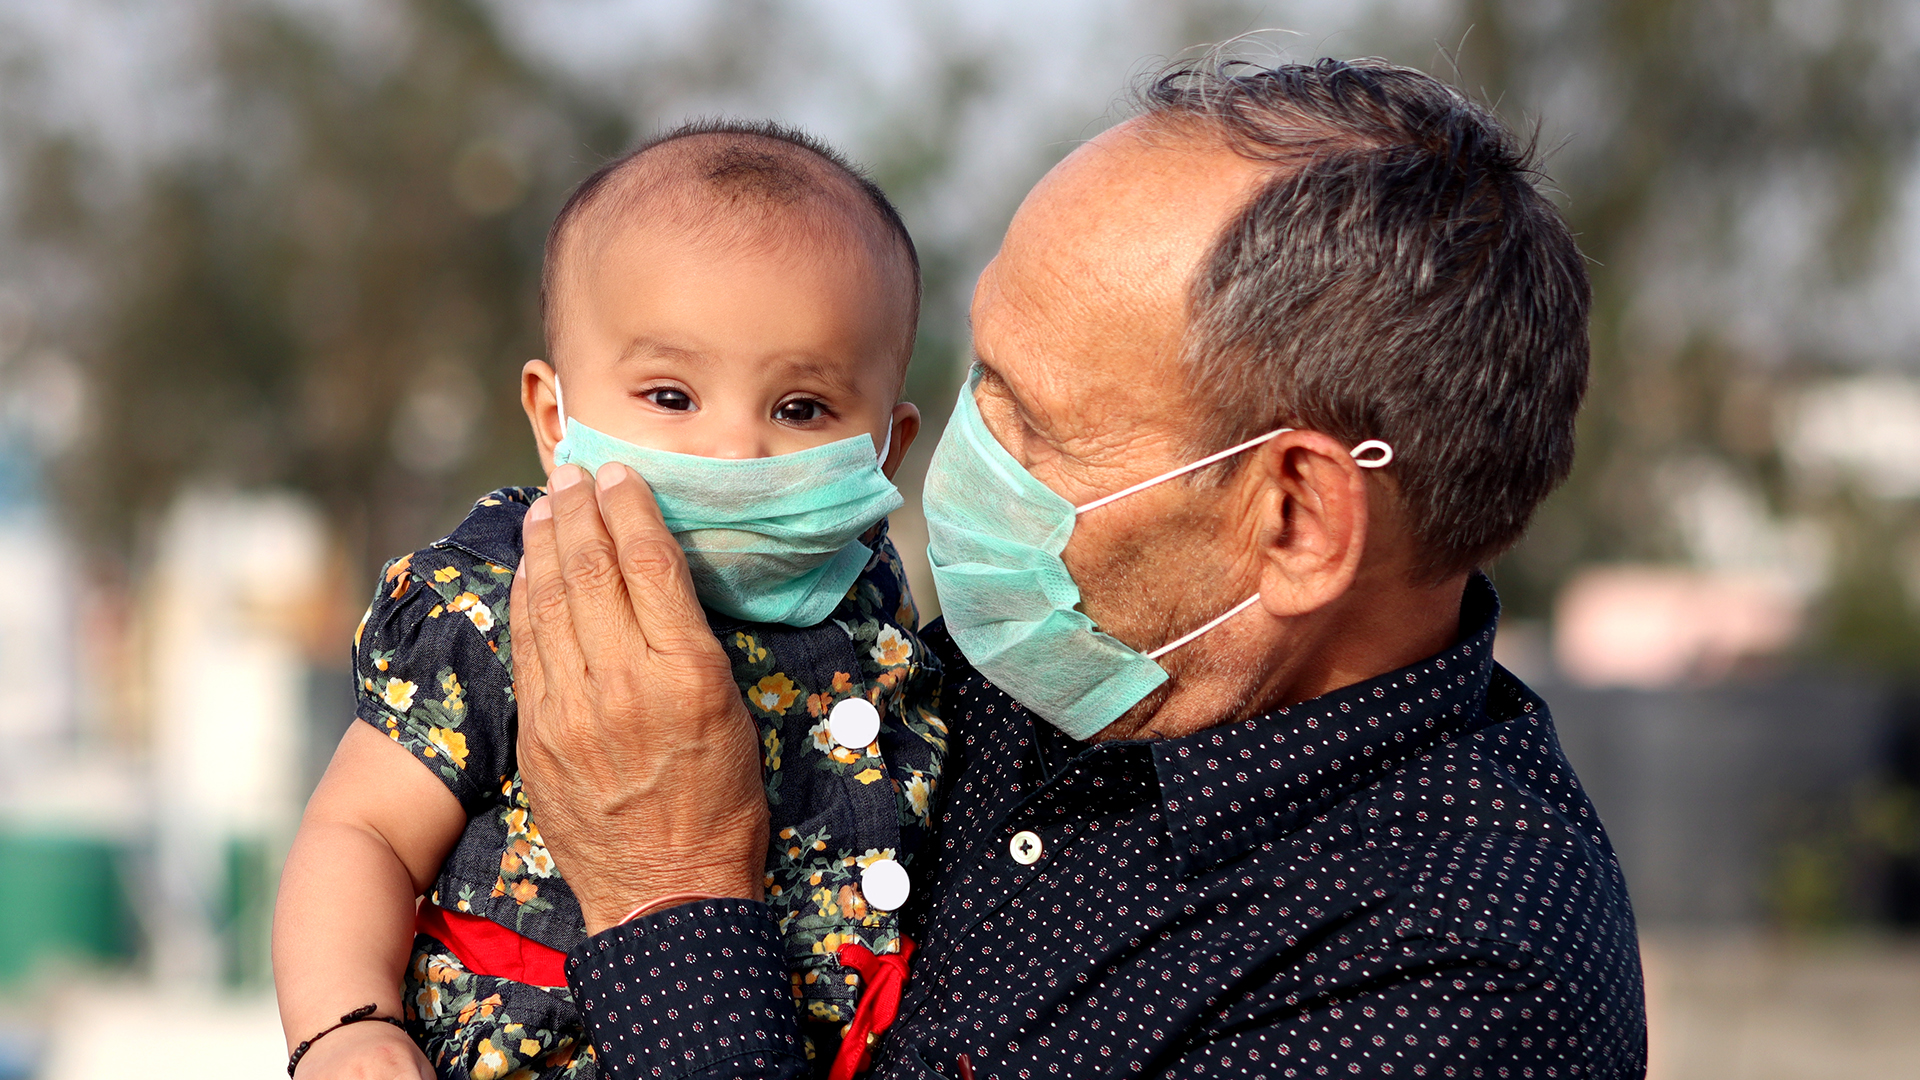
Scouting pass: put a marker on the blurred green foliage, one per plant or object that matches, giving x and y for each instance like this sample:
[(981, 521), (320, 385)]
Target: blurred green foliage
[(334, 291)]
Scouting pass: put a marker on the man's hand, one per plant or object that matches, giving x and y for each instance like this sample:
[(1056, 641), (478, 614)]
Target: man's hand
[(639, 759)]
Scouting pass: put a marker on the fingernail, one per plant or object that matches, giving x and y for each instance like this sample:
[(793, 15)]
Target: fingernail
[(541, 509), (564, 477), (610, 474)]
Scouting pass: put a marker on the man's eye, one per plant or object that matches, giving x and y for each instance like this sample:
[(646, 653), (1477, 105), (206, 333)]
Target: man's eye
[(799, 411), (668, 398)]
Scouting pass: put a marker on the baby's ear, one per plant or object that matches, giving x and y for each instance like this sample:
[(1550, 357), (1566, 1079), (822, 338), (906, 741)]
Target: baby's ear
[(540, 397), (906, 425)]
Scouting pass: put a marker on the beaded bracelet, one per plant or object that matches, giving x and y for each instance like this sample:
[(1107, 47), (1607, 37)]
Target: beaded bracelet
[(364, 1012)]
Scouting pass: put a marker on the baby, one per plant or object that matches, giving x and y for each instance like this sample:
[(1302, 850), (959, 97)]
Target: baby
[(729, 310)]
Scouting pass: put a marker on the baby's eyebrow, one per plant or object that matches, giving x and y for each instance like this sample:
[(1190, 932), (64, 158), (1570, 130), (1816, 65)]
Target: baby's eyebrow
[(656, 349), (834, 375)]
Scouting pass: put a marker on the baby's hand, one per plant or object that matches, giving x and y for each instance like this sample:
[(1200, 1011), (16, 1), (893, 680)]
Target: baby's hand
[(369, 1050)]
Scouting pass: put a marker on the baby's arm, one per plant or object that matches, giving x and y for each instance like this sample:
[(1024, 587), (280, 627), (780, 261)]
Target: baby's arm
[(373, 837)]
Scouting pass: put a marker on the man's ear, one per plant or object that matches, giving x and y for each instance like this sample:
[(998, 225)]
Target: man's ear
[(540, 397), (1315, 522), (906, 425)]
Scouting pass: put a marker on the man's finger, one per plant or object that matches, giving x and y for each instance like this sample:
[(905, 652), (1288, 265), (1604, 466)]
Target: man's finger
[(529, 681), (603, 622), (539, 619), (650, 559)]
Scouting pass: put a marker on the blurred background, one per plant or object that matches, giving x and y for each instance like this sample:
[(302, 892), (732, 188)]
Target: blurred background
[(267, 275)]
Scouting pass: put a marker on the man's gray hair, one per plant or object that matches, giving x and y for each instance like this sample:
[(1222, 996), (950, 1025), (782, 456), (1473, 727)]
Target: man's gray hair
[(1400, 277)]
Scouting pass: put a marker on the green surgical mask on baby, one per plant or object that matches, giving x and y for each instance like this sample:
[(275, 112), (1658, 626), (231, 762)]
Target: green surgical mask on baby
[(773, 539), (996, 535)]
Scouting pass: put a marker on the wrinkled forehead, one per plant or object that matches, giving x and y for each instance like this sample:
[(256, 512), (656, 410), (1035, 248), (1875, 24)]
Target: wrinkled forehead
[(1098, 263)]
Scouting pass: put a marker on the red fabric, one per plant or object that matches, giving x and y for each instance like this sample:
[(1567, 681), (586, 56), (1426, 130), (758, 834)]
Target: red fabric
[(487, 948), (882, 978)]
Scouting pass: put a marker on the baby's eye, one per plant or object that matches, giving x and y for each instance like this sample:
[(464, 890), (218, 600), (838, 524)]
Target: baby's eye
[(667, 397), (799, 411)]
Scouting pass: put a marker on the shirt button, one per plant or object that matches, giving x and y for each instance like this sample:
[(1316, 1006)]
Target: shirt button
[(884, 883), (1025, 847), (854, 723)]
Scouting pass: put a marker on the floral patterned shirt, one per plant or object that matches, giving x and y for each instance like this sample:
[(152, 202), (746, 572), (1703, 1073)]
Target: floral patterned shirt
[(433, 664)]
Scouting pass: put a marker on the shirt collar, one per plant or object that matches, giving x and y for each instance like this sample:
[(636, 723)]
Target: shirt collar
[(1233, 787)]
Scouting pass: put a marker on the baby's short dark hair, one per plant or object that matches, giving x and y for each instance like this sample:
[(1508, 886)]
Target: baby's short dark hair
[(735, 165)]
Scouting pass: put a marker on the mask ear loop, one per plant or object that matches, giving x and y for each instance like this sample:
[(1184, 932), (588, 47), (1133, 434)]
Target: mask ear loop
[(1384, 451), (1382, 454)]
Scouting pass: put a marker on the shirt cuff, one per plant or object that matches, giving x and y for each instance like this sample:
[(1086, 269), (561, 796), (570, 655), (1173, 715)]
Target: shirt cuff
[(694, 990)]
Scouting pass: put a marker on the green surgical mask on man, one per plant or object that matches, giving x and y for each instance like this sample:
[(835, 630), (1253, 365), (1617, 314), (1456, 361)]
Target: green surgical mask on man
[(995, 538)]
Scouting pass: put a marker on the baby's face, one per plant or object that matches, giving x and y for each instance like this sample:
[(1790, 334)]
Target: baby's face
[(726, 350)]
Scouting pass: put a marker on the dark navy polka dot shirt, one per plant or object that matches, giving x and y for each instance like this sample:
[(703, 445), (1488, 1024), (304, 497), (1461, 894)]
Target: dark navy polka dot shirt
[(1401, 878)]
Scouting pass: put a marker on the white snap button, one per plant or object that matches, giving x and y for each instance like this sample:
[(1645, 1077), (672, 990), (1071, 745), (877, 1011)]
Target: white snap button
[(885, 885), (854, 723), (1025, 847)]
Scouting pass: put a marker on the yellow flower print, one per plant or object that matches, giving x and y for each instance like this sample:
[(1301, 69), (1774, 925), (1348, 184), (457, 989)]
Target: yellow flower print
[(891, 648), (873, 855), (451, 743), (481, 615), (426, 1003), (446, 574), (524, 891), (774, 694), (399, 694), (852, 902), (497, 570), (539, 863), (492, 1063), (362, 628), (846, 755), (842, 683), (822, 738), (456, 694), (818, 704), (918, 792), (754, 650), (510, 862), (868, 775), (529, 1047), (482, 1008), (398, 572), (516, 820)]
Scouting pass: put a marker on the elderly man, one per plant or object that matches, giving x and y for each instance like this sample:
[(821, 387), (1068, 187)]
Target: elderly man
[(1235, 787)]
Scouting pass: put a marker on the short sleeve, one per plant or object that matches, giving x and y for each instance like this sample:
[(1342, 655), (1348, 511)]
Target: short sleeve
[(432, 668)]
